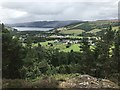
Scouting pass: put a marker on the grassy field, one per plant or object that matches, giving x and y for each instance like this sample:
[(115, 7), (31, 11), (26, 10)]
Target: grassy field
[(60, 46), (75, 37), (74, 26), (94, 31), (115, 28), (74, 47), (94, 26), (46, 43), (73, 31), (98, 30), (80, 31)]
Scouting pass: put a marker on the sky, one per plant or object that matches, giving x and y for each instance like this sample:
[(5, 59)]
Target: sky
[(18, 11)]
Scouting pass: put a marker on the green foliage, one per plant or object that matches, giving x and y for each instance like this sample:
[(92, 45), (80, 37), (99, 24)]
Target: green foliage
[(34, 63), (12, 55), (86, 27), (104, 61), (31, 62)]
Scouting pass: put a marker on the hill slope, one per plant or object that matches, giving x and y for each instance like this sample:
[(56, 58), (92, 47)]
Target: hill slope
[(89, 27), (45, 24)]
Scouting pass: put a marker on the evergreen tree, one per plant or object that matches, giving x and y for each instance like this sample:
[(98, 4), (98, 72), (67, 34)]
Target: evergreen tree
[(12, 55)]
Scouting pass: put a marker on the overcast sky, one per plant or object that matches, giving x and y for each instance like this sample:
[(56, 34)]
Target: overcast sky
[(12, 11)]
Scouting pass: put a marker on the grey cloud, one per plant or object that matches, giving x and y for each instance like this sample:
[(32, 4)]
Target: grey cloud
[(62, 11), (42, 8)]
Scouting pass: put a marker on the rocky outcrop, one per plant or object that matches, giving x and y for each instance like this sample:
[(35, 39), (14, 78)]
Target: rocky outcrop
[(87, 81)]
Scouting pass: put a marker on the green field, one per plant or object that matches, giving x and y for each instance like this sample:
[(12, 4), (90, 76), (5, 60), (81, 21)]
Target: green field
[(74, 47), (60, 46), (73, 31), (75, 37), (115, 28), (89, 27), (46, 43), (94, 31)]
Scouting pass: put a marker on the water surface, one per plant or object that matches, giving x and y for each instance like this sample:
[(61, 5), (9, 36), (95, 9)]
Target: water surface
[(32, 29)]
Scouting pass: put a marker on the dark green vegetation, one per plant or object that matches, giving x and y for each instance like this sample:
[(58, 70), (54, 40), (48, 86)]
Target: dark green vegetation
[(98, 57)]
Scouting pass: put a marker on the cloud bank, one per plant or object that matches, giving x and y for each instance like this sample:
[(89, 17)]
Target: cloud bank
[(17, 12)]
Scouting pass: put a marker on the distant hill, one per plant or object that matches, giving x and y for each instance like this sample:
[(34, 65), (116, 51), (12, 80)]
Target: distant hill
[(45, 24), (89, 27)]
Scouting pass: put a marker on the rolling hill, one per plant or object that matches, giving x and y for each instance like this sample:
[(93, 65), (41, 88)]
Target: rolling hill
[(45, 24), (88, 27)]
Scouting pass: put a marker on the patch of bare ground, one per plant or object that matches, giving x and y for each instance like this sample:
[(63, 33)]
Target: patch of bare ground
[(87, 81)]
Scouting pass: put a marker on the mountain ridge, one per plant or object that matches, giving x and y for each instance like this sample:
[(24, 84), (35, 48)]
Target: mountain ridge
[(45, 24)]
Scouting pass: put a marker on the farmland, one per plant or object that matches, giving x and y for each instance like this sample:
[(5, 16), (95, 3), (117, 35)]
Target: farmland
[(72, 36), (73, 31)]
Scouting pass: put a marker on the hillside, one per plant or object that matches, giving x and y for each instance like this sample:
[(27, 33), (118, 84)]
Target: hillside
[(53, 60), (88, 27), (45, 24)]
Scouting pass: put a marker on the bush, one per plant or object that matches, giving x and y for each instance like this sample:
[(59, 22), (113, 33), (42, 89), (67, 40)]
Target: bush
[(46, 82), (15, 83)]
